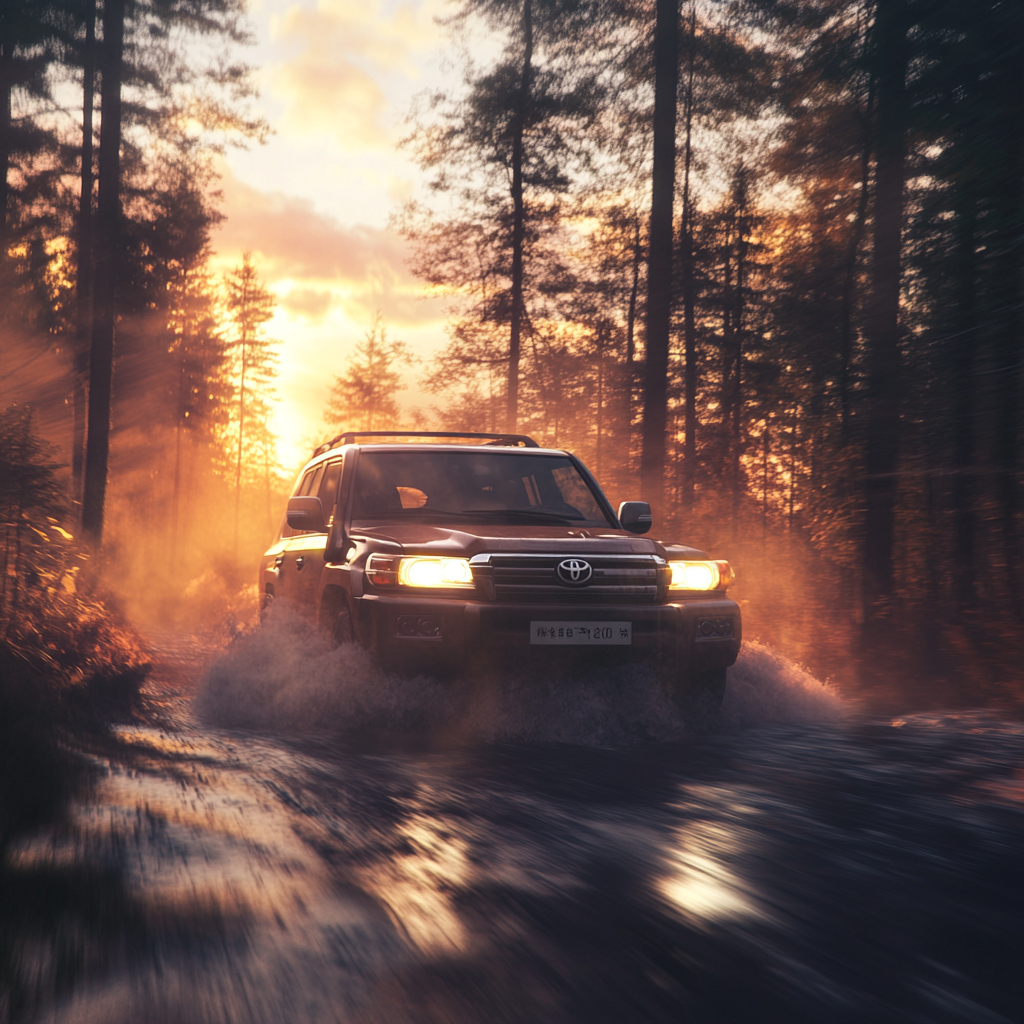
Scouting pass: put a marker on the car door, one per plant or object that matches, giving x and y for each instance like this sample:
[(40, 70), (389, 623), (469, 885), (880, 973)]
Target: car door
[(303, 561)]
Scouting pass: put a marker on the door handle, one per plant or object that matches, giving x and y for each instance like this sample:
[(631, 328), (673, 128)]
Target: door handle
[(299, 563)]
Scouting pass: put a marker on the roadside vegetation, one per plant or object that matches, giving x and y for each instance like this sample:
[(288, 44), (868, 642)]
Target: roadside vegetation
[(69, 667)]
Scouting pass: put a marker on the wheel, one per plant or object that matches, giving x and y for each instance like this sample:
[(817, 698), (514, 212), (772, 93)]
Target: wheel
[(710, 688), (335, 619), (700, 694)]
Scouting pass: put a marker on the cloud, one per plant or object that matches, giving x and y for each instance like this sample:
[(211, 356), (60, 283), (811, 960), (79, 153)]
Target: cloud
[(344, 49), (309, 302), (316, 264)]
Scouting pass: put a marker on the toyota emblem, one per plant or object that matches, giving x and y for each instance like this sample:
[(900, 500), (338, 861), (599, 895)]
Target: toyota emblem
[(574, 571)]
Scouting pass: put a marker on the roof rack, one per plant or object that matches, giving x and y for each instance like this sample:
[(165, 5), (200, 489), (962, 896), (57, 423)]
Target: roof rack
[(494, 440)]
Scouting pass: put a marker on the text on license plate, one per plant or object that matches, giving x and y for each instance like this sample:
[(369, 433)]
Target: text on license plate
[(594, 633)]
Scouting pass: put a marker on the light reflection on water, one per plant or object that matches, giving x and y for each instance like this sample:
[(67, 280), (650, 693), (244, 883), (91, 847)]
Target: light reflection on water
[(703, 882), (417, 886)]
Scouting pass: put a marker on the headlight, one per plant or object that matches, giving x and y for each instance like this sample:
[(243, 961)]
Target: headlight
[(427, 571), (435, 572), (700, 575)]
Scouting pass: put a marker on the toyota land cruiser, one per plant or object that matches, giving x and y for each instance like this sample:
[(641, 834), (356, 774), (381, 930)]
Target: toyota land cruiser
[(428, 551)]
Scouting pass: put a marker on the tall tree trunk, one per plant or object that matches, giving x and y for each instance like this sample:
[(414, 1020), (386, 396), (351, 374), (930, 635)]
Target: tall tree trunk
[(659, 255), (964, 383), (600, 404), (83, 270), (176, 495), (179, 428), (1009, 340), (518, 221), (765, 453), (689, 291), (792, 474), (241, 432), (849, 299), (881, 442), (736, 427), (6, 85), (728, 362), (629, 384), (101, 357)]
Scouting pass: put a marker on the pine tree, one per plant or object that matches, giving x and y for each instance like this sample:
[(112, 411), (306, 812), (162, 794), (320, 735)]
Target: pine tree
[(363, 396), (141, 44), (501, 157), (254, 358), (203, 388)]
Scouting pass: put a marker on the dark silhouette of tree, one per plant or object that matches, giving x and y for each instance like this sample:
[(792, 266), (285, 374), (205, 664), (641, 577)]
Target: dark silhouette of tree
[(164, 73), (27, 35), (502, 155), (107, 257), (659, 253), (84, 250), (891, 56)]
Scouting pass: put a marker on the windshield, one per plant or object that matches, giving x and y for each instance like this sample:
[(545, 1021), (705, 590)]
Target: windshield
[(483, 486)]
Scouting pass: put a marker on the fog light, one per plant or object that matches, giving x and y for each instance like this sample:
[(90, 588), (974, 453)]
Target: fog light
[(428, 626), (714, 628), (418, 625)]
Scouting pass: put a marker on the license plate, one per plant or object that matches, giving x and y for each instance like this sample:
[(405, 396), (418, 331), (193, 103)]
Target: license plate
[(585, 633)]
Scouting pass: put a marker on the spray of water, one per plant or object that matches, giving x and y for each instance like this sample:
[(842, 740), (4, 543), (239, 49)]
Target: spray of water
[(285, 676)]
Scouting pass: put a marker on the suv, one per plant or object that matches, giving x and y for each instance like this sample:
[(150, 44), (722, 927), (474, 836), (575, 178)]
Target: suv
[(431, 552)]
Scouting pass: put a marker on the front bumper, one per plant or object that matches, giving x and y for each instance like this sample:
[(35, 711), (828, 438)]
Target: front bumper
[(688, 633)]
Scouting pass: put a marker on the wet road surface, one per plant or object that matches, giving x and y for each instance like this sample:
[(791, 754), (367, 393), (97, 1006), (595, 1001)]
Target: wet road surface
[(571, 852)]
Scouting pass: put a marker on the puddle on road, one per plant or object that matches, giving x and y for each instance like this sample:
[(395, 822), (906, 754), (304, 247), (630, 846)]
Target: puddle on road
[(288, 874), (237, 918)]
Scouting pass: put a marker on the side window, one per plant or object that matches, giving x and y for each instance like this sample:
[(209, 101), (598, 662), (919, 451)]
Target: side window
[(307, 485), (311, 485), (303, 485), (328, 492)]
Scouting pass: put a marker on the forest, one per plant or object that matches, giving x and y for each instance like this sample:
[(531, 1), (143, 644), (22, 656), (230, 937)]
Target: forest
[(758, 262)]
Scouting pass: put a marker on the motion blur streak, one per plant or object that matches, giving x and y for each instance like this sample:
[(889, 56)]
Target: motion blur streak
[(549, 849)]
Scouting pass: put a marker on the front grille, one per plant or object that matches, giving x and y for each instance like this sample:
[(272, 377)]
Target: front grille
[(615, 578)]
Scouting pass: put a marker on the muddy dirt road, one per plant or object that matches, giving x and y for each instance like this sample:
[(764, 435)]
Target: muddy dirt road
[(298, 839)]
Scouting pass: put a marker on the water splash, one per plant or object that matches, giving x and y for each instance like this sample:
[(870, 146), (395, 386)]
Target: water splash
[(285, 676), (766, 687)]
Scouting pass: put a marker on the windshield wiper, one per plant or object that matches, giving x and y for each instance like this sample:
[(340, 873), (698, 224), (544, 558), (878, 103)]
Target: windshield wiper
[(535, 514), (526, 513), (402, 513)]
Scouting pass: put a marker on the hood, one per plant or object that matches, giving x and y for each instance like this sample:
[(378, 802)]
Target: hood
[(465, 540)]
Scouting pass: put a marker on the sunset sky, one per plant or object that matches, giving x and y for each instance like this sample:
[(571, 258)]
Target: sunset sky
[(337, 79)]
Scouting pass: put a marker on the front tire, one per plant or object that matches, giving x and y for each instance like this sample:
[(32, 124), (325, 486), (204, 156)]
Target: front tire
[(701, 694), (335, 618), (710, 687)]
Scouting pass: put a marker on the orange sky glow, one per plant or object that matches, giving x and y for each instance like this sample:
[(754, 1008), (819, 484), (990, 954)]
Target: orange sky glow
[(337, 78)]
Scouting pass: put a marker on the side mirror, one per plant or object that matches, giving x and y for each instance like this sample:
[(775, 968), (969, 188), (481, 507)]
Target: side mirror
[(306, 514), (635, 516)]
